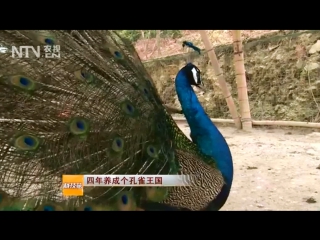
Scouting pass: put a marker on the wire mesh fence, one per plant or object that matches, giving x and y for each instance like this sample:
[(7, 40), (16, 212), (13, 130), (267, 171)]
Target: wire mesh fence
[(282, 70)]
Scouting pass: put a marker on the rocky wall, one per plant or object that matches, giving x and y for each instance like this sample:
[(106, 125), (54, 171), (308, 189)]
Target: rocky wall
[(283, 77)]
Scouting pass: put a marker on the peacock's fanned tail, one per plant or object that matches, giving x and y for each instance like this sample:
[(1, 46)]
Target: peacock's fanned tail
[(115, 124)]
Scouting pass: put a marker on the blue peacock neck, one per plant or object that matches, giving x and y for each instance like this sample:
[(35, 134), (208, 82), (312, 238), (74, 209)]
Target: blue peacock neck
[(206, 135)]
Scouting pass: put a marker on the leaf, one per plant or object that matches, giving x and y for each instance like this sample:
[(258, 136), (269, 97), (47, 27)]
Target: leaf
[(315, 47), (311, 66)]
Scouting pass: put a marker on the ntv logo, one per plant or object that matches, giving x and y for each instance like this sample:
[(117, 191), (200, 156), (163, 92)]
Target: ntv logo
[(23, 51)]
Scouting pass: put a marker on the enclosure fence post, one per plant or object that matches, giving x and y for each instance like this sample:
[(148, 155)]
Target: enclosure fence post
[(238, 60), (221, 79)]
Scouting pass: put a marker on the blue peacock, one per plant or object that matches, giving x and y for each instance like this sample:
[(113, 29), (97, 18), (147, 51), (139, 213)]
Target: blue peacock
[(116, 124)]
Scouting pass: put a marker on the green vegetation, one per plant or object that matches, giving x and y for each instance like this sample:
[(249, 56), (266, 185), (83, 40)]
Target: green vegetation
[(135, 35), (283, 80)]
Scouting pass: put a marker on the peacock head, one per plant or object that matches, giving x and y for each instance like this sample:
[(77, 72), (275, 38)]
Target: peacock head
[(193, 75)]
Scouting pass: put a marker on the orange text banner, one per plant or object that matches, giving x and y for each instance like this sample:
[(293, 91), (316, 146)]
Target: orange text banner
[(72, 185)]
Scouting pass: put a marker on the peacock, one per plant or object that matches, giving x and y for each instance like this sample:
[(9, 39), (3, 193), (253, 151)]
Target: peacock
[(116, 124)]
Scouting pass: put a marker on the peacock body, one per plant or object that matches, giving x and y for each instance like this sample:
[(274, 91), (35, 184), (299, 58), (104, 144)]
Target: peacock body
[(116, 124)]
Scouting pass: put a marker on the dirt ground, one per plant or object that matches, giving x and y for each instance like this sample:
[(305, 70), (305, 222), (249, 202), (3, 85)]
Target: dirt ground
[(274, 169)]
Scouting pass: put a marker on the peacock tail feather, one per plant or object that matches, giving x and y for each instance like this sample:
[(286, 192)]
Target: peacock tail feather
[(116, 124)]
